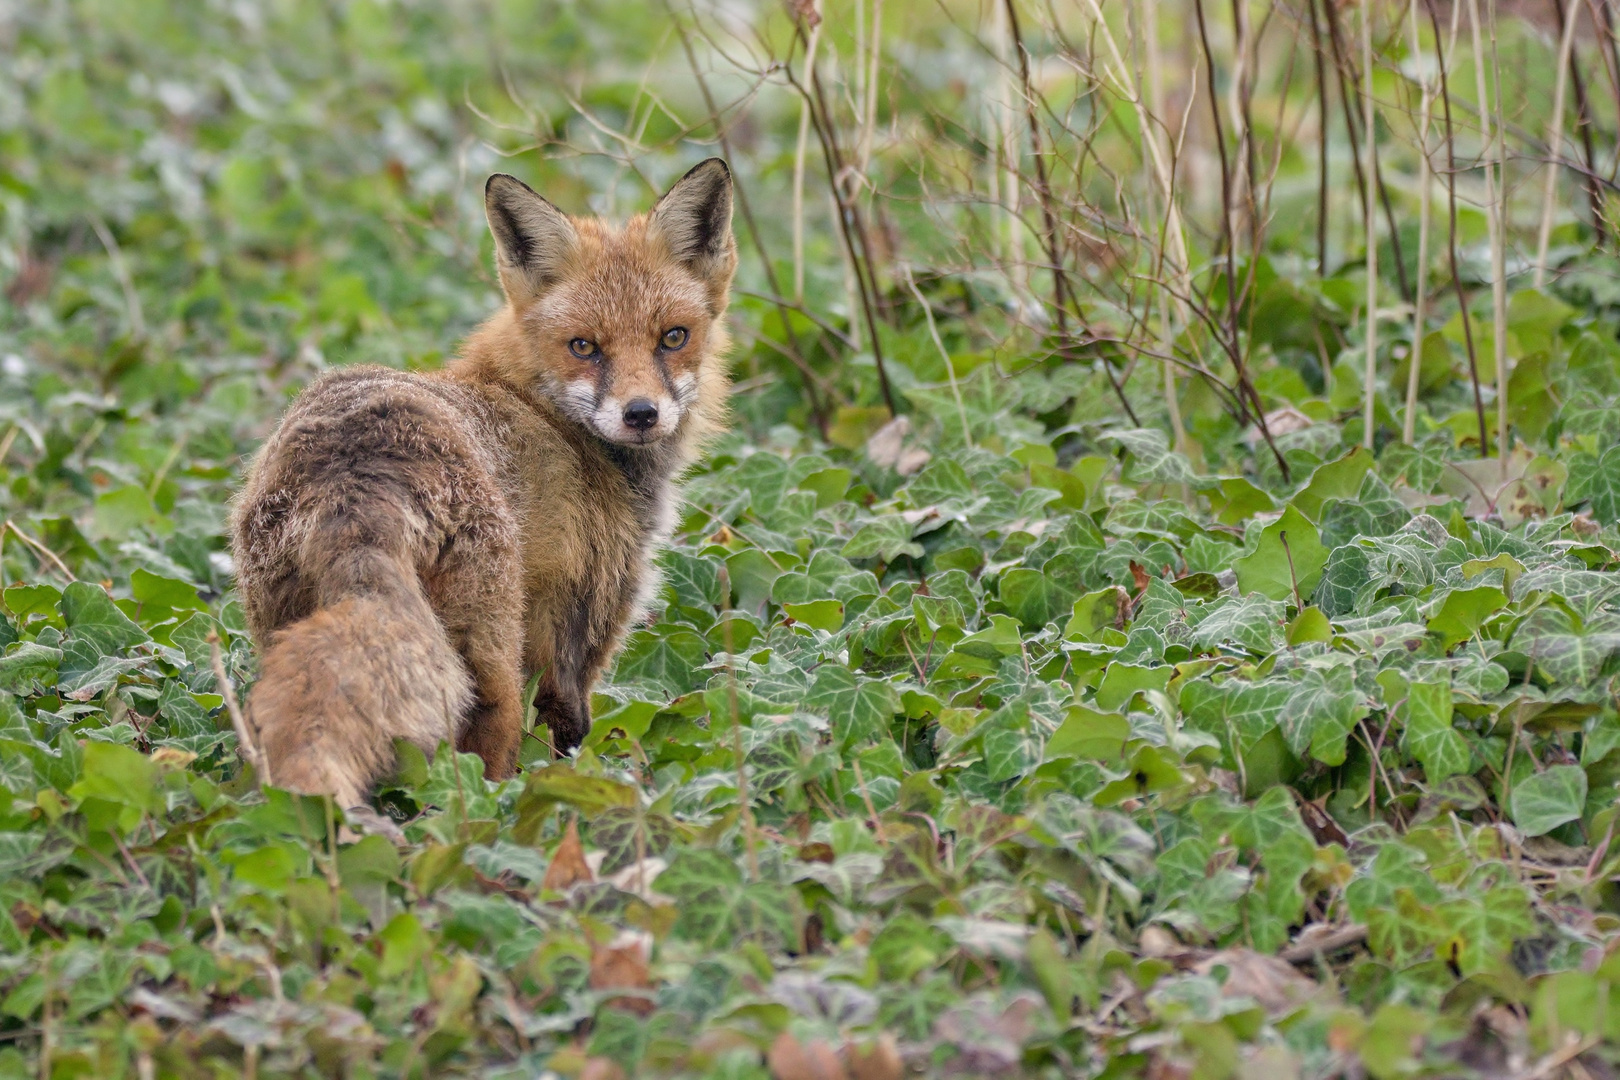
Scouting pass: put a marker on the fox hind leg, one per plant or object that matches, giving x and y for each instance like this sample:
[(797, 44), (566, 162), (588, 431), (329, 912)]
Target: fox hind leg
[(476, 591), (493, 728)]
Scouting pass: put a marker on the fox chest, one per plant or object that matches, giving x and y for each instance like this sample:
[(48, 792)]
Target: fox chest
[(588, 582)]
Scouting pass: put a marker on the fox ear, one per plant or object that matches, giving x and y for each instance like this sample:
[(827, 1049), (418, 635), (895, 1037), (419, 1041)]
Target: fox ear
[(694, 219), (533, 238)]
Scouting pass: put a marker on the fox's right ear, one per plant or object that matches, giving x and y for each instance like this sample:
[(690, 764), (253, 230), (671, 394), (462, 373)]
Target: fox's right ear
[(533, 238)]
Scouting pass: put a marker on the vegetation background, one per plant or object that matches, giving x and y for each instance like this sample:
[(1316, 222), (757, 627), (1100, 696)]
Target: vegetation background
[(1155, 614)]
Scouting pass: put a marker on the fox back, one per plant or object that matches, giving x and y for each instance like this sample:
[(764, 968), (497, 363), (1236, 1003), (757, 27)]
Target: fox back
[(412, 548)]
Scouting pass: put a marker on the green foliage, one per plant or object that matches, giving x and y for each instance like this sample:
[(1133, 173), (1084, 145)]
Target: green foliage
[(1019, 755)]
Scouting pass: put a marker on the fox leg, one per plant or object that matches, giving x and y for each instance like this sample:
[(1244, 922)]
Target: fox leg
[(476, 593), (493, 727), (565, 708)]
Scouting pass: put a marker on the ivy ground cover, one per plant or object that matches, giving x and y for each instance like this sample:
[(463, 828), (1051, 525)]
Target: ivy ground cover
[(999, 740)]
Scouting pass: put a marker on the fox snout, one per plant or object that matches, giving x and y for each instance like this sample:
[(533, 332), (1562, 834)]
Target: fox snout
[(637, 414), (641, 414), (638, 420)]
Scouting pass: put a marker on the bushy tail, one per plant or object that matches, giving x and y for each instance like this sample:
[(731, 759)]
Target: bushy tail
[(372, 664)]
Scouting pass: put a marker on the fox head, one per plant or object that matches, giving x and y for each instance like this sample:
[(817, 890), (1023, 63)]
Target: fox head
[(622, 329)]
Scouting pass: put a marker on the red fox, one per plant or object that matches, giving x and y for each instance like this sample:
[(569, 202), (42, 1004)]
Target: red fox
[(412, 548)]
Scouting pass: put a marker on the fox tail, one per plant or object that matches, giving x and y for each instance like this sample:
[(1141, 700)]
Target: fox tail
[(371, 664)]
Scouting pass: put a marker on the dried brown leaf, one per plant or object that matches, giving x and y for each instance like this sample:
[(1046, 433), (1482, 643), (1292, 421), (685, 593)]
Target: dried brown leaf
[(1271, 981), (789, 1059), (601, 1068), (568, 866), (876, 1060), (622, 965)]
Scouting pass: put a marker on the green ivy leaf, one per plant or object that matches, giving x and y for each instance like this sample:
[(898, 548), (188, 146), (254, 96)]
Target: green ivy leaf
[(1344, 580), (1252, 622), (1548, 799), (1234, 709), (1338, 479), (1088, 734), (1479, 930), (715, 908), (119, 774), (907, 945), (885, 538), (1152, 460), (1566, 654), (159, 596), (667, 657), (1322, 710), (1429, 733), (820, 614), (860, 709), (28, 664), (695, 578), (1290, 553), (1464, 611), (93, 618), (1597, 481)]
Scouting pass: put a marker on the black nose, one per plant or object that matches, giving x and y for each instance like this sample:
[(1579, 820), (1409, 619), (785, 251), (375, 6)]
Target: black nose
[(640, 414)]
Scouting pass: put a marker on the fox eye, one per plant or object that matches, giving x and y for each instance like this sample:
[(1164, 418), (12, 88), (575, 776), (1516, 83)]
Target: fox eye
[(584, 348), (674, 338)]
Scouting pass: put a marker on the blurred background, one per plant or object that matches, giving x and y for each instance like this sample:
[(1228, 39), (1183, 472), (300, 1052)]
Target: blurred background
[(1008, 218)]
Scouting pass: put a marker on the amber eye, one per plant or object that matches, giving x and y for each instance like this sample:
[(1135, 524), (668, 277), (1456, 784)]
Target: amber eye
[(674, 338), (584, 348)]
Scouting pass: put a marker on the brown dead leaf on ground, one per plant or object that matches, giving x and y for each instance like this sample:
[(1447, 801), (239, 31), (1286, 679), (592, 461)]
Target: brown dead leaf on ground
[(568, 866), (1283, 421), (789, 1059), (622, 965), (601, 1068), (887, 448), (1269, 980), (877, 1060)]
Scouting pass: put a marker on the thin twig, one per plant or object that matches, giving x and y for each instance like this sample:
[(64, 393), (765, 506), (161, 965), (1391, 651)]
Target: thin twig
[(1305, 951), (115, 256), (41, 549), (1496, 213), (851, 225), (1421, 293), (247, 746), (1555, 135), (944, 354), (1043, 190), (1451, 203), (1346, 94), (817, 410), (1369, 386), (1321, 144), (813, 39), (866, 797)]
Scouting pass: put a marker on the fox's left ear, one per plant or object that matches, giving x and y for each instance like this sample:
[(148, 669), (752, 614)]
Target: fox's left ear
[(694, 219)]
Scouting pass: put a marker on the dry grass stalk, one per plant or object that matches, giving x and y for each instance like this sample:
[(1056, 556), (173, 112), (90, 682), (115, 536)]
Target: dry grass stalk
[(1160, 162), (800, 149), (1499, 261), (1420, 293), (1493, 211), (1369, 116), (247, 745), (1555, 138)]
